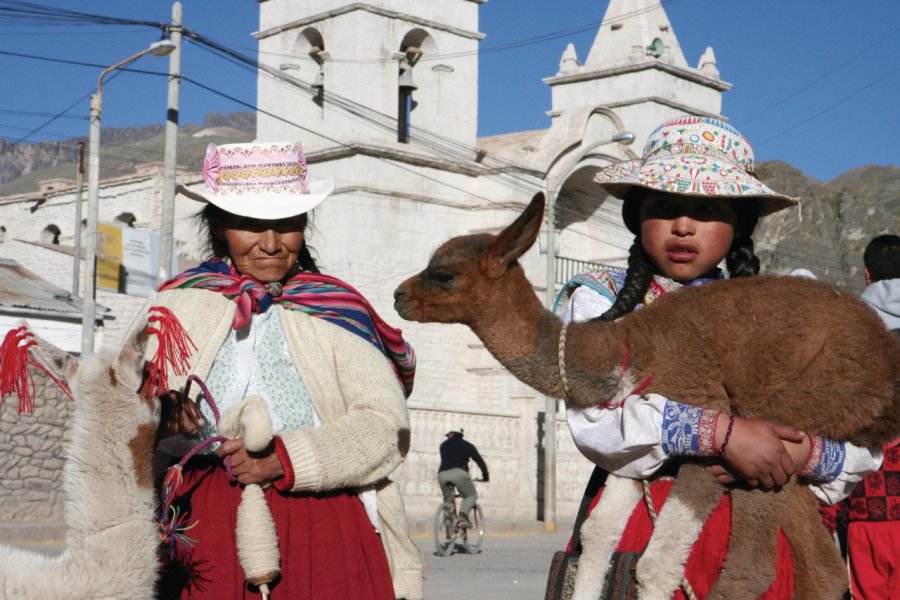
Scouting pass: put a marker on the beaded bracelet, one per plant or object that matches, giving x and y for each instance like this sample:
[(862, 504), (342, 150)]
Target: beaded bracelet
[(727, 435)]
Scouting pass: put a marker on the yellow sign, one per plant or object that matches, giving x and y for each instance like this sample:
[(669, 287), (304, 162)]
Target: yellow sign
[(109, 257)]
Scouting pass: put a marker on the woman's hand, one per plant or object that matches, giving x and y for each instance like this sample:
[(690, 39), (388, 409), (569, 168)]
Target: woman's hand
[(758, 452), (258, 467), (179, 415)]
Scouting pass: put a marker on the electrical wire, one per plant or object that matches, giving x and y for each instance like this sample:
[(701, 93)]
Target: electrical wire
[(819, 78)]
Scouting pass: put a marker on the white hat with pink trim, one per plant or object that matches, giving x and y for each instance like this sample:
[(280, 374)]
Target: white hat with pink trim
[(696, 156), (259, 180)]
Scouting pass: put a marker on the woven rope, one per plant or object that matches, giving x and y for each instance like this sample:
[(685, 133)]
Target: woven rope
[(685, 584), (562, 362)]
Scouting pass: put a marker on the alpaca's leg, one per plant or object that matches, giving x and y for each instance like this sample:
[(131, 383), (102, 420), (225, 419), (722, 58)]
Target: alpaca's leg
[(750, 564), (819, 571), (691, 501), (601, 532)]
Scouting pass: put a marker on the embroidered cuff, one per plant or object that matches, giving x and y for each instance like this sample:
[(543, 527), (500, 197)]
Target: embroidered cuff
[(286, 483), (687, 430), (825, 461)]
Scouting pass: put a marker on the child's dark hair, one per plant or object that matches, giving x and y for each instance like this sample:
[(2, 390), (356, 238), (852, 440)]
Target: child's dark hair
[(740, 259), (882, 257), (212, 216)]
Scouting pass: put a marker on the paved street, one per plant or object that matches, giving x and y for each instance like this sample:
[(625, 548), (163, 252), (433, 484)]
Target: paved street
[(509, 567)]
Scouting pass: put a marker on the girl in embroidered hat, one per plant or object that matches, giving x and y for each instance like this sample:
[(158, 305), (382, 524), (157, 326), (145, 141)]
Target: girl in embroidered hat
[(265, 322), (692, 201)]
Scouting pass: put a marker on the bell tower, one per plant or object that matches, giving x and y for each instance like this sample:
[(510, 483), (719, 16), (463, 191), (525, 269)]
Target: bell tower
[(636, 67), (372, 72)]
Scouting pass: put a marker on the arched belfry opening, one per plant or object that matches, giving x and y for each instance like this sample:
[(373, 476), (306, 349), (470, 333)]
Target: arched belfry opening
[(311, 45), (415, 44)]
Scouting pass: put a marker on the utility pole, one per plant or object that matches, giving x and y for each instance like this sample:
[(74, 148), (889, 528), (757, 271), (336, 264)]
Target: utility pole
[(79, 188), (550, 402), (554, 186), (88, 302), (167, 209)]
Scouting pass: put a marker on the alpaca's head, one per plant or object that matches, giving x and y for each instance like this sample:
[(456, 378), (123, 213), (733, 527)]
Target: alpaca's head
[(113, 372), (469, 273)]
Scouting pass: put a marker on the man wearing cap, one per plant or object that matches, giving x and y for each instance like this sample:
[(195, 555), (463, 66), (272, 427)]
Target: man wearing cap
[(454, 472)]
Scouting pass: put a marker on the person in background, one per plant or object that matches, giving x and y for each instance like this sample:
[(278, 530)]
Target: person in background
[(870, 517), (454, 472), (882, 270), (260, 319)]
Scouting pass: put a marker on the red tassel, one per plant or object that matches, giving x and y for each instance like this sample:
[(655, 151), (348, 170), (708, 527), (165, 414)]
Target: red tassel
[(174, 348), (15, 377), (171, 483)]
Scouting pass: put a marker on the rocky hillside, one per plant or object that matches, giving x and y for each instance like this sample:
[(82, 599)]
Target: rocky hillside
[(835, 222), (23, 165)]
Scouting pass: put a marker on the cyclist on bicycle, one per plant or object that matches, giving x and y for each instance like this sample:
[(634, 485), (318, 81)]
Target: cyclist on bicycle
[(454, 472)]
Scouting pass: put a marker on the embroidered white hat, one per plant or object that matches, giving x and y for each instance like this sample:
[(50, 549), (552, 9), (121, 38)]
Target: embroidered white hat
[(696, 156), (259, 180)]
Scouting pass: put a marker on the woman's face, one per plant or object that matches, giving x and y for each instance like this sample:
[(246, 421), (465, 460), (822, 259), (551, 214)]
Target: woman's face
[(266, 250), (686, 236)]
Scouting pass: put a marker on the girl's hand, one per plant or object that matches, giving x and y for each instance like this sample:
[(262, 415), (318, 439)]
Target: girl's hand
[(756, 452), (259, 467), (179, 415)]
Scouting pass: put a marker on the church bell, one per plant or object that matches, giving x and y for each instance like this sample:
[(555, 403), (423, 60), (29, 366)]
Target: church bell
[(319, 84), (405, 81)]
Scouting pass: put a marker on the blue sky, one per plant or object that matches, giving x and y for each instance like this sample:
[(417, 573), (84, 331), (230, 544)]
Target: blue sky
[(816, 83)]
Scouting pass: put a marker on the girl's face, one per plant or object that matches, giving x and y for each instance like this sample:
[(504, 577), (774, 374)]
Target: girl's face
[(266, 250), (686, 236)]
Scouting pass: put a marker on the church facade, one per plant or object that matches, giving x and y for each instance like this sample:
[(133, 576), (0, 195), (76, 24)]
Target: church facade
[(383, 96)]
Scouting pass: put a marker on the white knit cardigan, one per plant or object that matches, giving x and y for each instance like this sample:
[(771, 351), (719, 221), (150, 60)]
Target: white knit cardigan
[(364, 432)]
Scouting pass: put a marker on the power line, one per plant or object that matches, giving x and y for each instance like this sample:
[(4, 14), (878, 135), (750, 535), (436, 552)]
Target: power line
[(831, 106), (818, 79)]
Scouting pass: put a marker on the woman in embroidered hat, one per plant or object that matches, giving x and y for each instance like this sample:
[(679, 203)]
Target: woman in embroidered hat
[(261, 321), (692, 201)]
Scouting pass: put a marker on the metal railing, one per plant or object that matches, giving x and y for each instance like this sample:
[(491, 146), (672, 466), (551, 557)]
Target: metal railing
[(567, 268)]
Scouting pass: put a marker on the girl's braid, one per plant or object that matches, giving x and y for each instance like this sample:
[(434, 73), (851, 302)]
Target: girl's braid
[(637, 282), (740, 260)]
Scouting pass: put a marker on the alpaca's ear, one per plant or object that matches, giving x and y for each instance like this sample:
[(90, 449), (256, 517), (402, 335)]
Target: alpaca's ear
[(62, 364), (512, 242), (131, 356)]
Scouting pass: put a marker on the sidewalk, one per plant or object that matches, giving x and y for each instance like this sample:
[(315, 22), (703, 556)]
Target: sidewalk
[(511, 566)]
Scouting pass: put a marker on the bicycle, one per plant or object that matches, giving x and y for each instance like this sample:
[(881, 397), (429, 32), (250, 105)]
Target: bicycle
[(448, 534)]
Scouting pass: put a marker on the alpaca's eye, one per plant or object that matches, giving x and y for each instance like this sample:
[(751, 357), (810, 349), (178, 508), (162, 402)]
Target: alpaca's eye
[(443, 277)]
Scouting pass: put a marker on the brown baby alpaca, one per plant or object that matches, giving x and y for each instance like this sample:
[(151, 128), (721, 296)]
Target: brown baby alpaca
[(792, 350)]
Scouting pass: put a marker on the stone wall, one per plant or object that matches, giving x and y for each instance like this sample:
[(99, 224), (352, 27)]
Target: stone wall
[(32, 454)]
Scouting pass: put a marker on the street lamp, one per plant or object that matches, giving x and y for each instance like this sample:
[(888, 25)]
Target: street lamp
[(624, 138), (89, 302)]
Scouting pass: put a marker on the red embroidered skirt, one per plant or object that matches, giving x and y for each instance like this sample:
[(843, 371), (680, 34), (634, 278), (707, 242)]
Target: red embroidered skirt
[(329, 549), (708, 553)]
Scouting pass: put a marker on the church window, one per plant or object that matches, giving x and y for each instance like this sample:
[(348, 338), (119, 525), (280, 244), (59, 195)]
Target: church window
[(50, 234), (126, 218)]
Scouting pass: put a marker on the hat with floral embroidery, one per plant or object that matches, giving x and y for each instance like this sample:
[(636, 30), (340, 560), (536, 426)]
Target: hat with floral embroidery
[(259, 180), (698, 156)]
